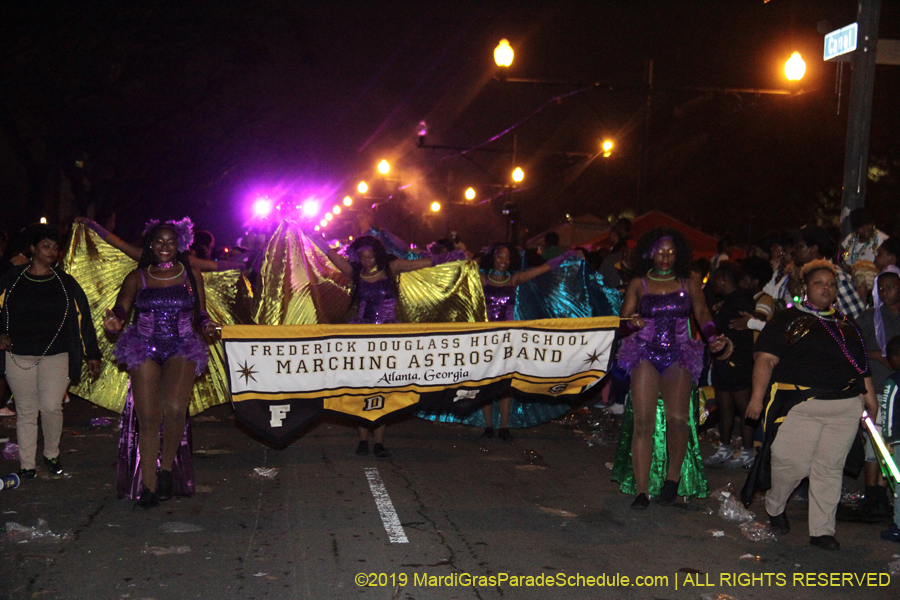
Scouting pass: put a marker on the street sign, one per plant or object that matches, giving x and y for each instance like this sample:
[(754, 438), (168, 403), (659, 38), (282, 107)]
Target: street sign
[(841, 41)]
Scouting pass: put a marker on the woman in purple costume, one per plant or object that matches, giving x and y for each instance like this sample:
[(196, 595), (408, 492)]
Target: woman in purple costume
[(500, 275), (660, 355), (374, 274), (162, 350)]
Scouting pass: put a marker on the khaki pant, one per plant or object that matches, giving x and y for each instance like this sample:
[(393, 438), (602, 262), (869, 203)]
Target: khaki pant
[(813, 442), (38, 391)]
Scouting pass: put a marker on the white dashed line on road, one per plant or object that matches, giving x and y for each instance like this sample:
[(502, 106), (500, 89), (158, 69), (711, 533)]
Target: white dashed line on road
[(385, 507)]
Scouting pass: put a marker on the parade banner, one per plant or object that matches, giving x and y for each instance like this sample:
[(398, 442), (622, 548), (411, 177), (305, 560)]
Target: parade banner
[(284, 377)]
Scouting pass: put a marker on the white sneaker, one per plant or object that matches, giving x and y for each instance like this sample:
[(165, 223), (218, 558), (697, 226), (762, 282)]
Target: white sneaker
[(742, 460), (723, 454), (615, 409)]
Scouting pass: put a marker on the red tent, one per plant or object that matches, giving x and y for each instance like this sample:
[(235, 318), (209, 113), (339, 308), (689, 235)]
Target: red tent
[(703, 245)]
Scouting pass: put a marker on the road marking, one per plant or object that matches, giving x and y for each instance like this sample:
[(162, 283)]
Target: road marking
[(385, 507)]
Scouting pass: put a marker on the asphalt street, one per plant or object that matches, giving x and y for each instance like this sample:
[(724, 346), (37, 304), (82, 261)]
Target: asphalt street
[(440, 518)]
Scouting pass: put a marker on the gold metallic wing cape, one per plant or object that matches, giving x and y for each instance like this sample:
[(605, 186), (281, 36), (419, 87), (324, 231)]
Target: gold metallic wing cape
[(299, 285), (100, 269)]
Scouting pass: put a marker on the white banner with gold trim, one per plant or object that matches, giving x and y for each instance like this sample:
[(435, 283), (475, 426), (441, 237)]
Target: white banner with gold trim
[(284, 377)]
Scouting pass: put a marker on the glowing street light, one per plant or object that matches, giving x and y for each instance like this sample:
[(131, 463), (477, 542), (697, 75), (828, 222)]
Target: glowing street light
[(43, 220), (518, 175), (337, 209), (328, 216), (318, 228), (384, 167), (795, 67), (503, 53), (323, 222), (470, 194), (363, 187), (348, 200), (435, 206), (607, 148)]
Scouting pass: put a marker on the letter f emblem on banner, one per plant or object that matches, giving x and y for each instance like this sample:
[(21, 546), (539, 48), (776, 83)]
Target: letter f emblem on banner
[(278, 413)]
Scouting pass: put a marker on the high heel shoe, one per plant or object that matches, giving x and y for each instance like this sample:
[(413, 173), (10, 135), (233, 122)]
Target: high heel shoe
[(641, 502), (668, 493)]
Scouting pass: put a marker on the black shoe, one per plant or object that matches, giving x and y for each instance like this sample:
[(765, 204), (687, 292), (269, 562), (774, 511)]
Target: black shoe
[(380, 451), (362, 449), (27, 473), (668, 493), (488, 433), (163, 484), (54, 466), (825, 542), (641, 502), (147, 500), (503, 434), (780, 523)]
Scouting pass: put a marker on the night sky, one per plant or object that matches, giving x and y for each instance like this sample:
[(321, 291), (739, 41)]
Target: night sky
[(163, 109)]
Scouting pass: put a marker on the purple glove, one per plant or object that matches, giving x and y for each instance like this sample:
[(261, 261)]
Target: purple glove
[(708, 331), (553, 263), (317, 239), (97, 228), (440, 259)]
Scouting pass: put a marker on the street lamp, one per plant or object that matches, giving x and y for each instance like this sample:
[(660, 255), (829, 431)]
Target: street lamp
[(503, 54), (363, 187), (337, 209), (435, 206), (470, 194), (323, 222), (384, 167), (518, 175), (795, 67), (607, 148), (348, 200)]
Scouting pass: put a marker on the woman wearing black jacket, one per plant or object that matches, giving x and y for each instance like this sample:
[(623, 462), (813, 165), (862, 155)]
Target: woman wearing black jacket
[(46, 332)]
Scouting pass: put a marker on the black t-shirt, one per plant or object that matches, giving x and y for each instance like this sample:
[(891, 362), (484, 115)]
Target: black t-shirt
[(36, 310), (815, 360), (730, 308)]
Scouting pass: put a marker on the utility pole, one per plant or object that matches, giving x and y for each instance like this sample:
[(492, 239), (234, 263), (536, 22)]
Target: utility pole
[(859, 121)]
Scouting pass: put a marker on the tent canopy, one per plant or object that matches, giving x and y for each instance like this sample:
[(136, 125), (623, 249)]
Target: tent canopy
[(703, 245)]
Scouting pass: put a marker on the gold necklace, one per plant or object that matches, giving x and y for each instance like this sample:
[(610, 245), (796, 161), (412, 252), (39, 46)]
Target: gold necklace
[(175, 276), (373, 275)]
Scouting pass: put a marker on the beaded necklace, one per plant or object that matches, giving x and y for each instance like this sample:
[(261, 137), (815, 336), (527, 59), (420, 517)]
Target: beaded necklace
[(852, 253), (837, 334), (492, 280), (58, 331), (663, 273), (372, 276)]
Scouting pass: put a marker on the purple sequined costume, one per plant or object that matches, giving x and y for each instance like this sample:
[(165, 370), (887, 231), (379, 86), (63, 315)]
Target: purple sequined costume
[(665, 339), (163, 328), (377, 302), (500, 302)]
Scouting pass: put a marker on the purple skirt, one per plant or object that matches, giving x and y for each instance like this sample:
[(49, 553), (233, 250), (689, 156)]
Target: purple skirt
[(133, 349), (688, 354), (128, 467)]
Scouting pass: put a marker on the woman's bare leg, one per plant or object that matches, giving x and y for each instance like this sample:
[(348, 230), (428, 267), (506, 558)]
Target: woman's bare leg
[(725, 405), (675, 387), (145, 388), (645, 381), (505, 407), (177, 379)]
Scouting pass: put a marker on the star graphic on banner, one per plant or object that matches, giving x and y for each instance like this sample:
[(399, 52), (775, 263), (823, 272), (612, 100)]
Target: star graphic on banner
[(247, 372), (592, 358)]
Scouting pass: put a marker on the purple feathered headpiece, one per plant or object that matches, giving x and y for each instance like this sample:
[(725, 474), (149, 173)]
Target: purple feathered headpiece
[(184, 229)]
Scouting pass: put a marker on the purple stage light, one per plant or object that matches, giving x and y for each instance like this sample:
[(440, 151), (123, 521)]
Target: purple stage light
[(262, 207), (310, 208)]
